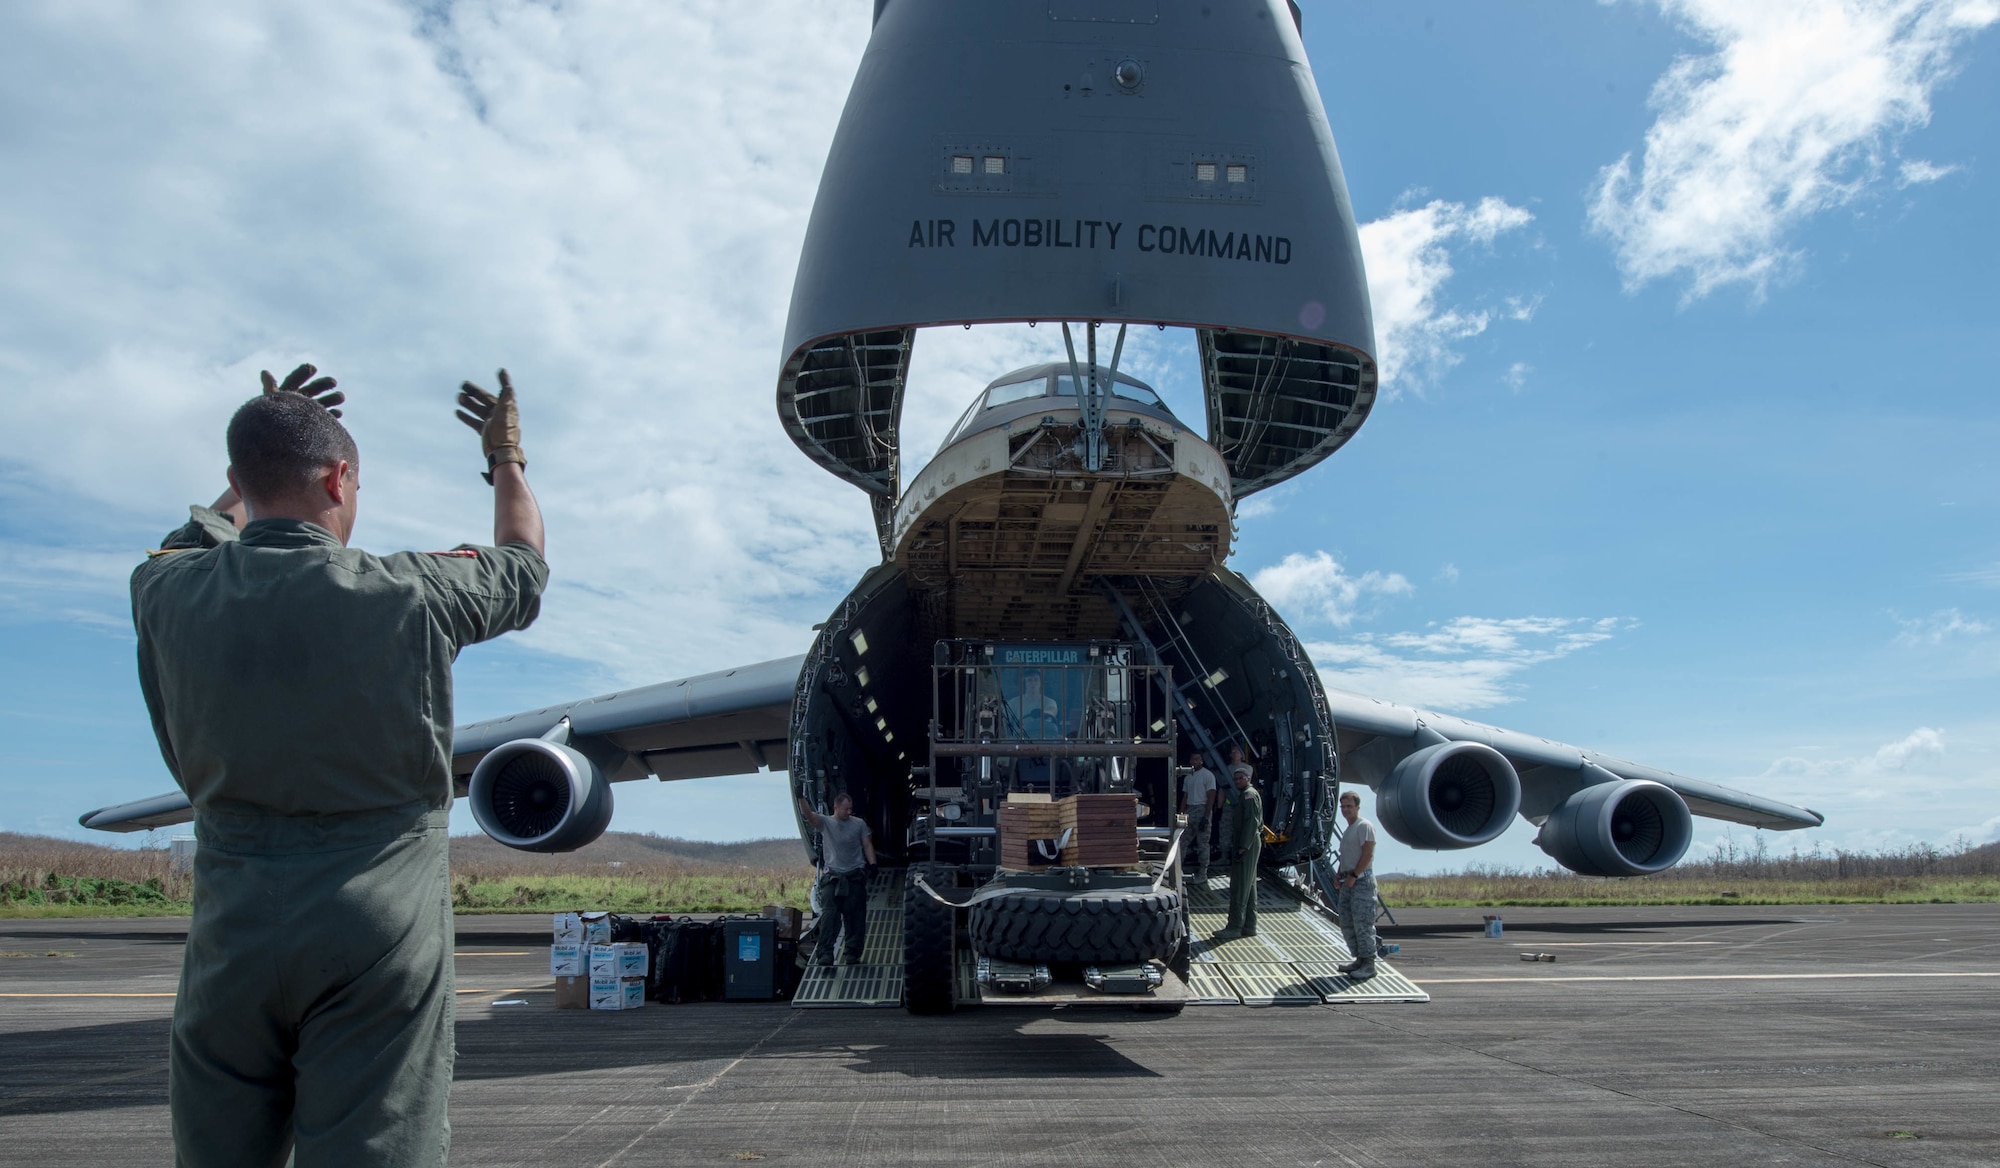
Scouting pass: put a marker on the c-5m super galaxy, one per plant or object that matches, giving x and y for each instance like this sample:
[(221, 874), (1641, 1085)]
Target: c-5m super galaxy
[(1053, 624)]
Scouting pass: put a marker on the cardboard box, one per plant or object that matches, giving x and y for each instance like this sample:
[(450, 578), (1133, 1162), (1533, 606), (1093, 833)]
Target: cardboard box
[(631, 959), (789, 919), (566, 929), (623, 959), (572, 993), (617, 993), (596, 928), (567, 961)]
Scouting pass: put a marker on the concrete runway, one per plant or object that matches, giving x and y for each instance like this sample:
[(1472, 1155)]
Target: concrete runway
[(1713, 1036)]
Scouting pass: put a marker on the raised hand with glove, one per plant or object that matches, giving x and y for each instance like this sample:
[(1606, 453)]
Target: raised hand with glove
[(516, 518), (498, 421)]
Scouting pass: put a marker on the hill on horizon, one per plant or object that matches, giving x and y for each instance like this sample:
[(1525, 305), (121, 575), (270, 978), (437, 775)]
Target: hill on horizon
[(467, 851), (629, 848)]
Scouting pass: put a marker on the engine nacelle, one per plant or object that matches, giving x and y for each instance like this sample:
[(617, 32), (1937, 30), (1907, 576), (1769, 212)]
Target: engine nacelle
[(1449, 795), (540, 796), (1628, 828)]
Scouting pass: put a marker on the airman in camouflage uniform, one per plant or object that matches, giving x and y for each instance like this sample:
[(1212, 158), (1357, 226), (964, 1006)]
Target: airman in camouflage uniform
[(301, 693)]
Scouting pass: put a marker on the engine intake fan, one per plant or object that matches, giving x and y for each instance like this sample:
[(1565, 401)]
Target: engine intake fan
[(1627, 828), (540, 795), (1449, 795)]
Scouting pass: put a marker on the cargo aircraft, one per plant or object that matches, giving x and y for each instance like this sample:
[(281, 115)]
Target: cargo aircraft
[(1053, 614)]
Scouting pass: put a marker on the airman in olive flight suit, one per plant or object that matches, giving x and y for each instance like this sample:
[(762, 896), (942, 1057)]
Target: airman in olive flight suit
[(1244, 845), (301, 693)]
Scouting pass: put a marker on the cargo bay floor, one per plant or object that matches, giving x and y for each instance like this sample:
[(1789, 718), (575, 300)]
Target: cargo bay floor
[(1668, 1036)]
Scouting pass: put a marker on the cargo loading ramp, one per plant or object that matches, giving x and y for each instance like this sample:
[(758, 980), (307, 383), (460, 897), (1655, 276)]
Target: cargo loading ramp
[(1293, 960)]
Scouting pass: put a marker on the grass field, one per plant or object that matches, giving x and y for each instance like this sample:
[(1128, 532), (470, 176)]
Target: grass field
[(1558, 889), (630, 873), (1912, 875), (45, 877)]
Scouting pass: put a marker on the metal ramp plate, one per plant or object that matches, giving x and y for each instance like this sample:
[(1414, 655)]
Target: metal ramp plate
[(1387, 985), (1207, 987), (1294, 958), (1270, 983), (885, 937), (1240, 951), (850, 985)]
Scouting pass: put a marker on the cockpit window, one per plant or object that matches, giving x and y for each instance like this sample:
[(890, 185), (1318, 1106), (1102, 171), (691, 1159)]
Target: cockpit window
[(1000, 395), (1066, 386)]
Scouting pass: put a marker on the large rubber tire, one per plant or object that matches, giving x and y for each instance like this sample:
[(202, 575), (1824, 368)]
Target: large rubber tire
[(1108, 926), (930, 973)]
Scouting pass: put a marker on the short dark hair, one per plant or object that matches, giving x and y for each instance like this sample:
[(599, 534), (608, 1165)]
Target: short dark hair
[(279, 443)]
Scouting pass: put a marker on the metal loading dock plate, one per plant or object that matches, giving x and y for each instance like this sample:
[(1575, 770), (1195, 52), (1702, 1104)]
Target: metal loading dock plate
[(1293, 960)]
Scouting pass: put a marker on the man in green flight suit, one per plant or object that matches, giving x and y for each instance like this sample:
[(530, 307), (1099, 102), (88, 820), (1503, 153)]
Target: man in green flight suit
[(1244, 845), (301, 693)]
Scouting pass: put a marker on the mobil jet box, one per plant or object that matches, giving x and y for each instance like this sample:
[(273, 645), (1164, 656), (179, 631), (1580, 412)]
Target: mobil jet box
[(567, 961), (624, 959), (617, 993)]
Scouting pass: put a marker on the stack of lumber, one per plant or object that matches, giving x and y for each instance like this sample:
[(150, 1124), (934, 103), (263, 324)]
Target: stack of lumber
[(1022, 822), (1104, 830)]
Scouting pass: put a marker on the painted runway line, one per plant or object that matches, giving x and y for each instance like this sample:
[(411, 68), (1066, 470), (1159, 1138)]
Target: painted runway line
[(1694, 977)]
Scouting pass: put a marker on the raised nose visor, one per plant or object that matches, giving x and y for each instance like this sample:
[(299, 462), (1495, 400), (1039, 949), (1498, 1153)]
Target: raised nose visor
[(1009, 531), (1165, 162)]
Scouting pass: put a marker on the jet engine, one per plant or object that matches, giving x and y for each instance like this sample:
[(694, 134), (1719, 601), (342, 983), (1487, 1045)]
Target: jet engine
[(1449, 795), (540, 796), (1627, 828)]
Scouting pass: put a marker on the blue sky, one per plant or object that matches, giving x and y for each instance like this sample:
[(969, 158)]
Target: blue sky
[(1687, 312)]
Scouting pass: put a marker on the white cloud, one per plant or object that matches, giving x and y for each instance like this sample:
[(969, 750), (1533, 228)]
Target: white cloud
[(1922, 741), (1988, 576), (1794, 112), (1916, 171), (1448, 573), (1467, 663), (1911, 790), (1941, 626), (1318, 585), (1408, 256), (407, 199), (1925, 743), (1517, 375)]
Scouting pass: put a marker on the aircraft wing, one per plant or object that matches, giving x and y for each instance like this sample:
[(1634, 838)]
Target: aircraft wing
[(729, 723), (1373, 734)]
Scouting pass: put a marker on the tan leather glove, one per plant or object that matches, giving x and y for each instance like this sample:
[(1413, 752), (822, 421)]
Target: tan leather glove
[(321, 391), (498, 420)]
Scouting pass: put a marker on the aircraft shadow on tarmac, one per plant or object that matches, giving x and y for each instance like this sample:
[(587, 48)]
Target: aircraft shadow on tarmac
[(85, 1068), (985, 1044)]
